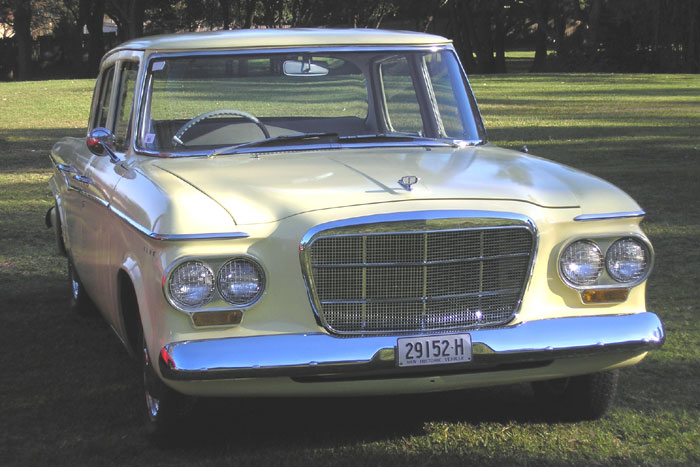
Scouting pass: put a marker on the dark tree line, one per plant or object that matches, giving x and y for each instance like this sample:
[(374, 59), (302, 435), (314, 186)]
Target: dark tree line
[(567, 35)]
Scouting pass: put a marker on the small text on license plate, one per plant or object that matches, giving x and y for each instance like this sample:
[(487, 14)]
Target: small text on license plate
[(434, 350)]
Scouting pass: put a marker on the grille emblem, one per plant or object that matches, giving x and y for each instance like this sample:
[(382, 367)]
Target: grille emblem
[(407, 181)]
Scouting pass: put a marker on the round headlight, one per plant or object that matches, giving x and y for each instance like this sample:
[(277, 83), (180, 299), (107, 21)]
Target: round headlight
[(581, 263), (191, 284), (627, 260), (241, 281)]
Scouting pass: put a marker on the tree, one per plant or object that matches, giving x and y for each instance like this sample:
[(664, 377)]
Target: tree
[(22, 21), (128, 16), (540, 10), (95, 24)]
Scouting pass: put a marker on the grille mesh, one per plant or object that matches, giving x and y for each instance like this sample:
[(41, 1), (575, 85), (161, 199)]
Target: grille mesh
[(419, 281)]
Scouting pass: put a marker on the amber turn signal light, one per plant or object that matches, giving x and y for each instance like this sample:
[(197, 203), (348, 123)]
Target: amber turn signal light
[(217, 318), (604, 295)]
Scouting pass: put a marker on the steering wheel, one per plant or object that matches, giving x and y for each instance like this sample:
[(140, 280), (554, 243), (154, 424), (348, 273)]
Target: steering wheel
[(176, 139)]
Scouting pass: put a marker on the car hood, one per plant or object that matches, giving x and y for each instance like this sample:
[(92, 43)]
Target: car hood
[(267, 187)]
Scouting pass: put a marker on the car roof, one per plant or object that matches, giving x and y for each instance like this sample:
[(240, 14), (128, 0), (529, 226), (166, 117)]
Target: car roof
[(279, 38)]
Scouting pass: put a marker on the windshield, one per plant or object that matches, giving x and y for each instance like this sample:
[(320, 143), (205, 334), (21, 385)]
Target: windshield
[(203, 103)]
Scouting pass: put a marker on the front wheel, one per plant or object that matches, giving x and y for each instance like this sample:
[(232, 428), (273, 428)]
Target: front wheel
[(164, 407), (80, 302), (586, 397)]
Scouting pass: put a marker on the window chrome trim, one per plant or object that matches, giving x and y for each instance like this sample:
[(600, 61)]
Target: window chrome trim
[(610, 215), (175, 237), (414, 222)]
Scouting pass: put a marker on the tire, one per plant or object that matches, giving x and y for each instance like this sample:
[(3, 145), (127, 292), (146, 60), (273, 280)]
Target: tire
[(59, 231), (577, 398), (80, 302), (165, 409)]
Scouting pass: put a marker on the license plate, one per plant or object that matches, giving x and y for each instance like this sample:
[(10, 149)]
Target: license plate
[(434, 350)]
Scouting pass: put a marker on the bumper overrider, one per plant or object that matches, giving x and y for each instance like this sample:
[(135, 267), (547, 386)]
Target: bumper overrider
[(319, 356)]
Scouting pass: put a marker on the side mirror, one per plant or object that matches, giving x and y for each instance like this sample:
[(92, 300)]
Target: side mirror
[(100, 141)]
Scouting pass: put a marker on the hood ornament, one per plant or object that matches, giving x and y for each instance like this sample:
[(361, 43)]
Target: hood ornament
[(407, 181)]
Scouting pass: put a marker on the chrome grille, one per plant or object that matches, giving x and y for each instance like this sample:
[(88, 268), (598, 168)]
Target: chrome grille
[(377, 281)]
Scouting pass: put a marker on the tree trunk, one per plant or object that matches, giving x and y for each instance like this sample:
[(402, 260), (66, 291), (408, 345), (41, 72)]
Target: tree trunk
[(461, 37), (593, 25), (96, 46), (136, 16), (480, 38), (500, 39), (225, 13), (692, 51), (23, 37), (542, 16), (249, 14)]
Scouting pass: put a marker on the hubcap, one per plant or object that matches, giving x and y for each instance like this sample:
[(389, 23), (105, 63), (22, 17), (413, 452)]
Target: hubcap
[(76, 288), (152, 402)]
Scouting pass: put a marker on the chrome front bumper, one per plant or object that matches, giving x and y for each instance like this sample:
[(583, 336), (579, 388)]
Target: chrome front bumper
[(321, 356)]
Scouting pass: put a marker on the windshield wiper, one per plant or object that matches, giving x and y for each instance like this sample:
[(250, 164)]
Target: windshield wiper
[(275, 140), (399, 138)]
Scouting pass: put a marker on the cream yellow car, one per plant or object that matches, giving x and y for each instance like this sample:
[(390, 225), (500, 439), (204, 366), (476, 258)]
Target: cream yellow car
[(318, 212)]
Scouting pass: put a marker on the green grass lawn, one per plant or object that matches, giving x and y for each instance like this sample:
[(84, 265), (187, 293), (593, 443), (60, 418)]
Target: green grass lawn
[(69, 393)]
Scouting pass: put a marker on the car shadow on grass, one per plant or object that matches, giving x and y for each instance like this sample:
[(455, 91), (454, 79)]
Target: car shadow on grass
[(318, 422)]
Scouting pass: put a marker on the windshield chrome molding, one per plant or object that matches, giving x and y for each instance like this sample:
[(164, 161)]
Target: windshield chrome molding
[(610, 215), (455, 145), (413, 222), (321, 48), (176, 237)]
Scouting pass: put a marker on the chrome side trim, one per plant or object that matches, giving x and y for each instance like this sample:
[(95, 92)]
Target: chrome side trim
[(65, 168), (175, 237), (88, 195), (82, 179), (323, 354), (609, 215), (412, 222)]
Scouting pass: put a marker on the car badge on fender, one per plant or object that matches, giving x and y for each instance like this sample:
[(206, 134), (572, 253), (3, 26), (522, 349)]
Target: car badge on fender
[(407, 181)]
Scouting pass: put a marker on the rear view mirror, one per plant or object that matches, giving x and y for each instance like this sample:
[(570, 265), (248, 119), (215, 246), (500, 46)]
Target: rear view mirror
[(303, 68)]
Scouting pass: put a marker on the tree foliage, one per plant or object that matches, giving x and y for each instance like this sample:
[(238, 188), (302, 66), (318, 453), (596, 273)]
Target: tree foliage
[(580, 35)]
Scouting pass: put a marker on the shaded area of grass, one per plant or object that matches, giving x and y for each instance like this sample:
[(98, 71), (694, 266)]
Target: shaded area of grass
[(70, 393)]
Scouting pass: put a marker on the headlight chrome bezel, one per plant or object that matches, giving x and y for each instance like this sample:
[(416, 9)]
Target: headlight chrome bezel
[(645, 252), (594, 249), (173, 276), (605, 279), (262, 280), (217, 303)]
